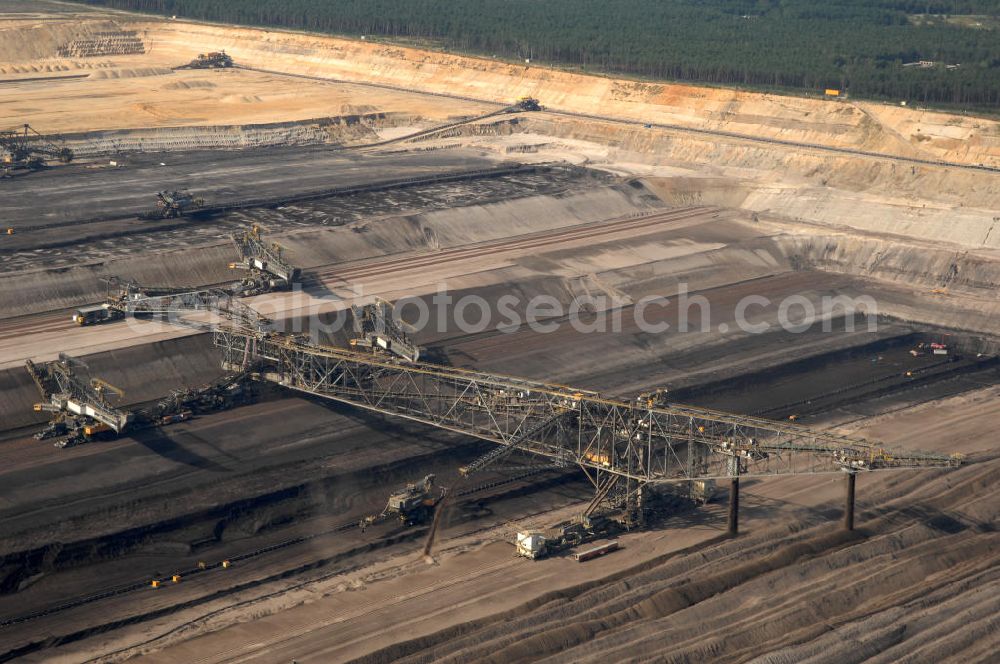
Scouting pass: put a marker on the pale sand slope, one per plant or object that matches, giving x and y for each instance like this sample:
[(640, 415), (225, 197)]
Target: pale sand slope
[(833, 123), (883, 128), (133, 97)]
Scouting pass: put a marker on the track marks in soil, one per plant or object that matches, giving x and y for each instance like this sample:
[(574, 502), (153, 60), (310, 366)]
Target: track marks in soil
[(918, 580)]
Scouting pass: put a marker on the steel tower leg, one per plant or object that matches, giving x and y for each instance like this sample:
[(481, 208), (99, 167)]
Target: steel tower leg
[(734, 505), (849, 506)]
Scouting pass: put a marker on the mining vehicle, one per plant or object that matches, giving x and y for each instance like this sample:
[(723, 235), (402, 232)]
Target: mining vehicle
[(535, 544), (173, 204), (97, 314), (26, 149), (528, 104), (378, 329), (265, 265), (412, 504), (213, 60), (701, 491)]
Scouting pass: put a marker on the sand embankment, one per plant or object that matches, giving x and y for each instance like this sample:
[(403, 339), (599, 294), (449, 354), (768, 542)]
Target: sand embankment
[(877, 127), (837, 123)]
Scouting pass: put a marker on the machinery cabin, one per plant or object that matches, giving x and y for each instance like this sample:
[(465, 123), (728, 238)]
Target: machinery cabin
[(378, 329)]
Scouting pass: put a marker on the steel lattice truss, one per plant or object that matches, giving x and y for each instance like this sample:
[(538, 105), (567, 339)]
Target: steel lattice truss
[(377, 328), (174, 305), (256, 253), (66, 391), (639, 442)]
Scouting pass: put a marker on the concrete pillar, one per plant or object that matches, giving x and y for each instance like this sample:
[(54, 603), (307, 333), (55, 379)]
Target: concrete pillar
[(734, 506), (849, 506)]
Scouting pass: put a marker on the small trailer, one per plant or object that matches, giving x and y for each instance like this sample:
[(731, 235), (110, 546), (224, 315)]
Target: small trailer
[(596, 552)]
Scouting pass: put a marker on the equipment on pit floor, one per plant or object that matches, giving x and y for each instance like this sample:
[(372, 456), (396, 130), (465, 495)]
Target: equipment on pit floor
[(100, 313), (378, 330), (535, 544), (213, 60), (173, 204), (26, 149), (412, 504), (590, 525), (701, 491), (267, 269), (933, 348), (527, 104), (182, 404), (80, 408)]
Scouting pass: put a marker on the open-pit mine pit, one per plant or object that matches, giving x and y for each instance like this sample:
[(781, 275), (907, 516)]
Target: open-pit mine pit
[(798, 267)]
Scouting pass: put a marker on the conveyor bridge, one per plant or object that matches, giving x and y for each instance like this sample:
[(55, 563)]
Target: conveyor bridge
[(622, 446)]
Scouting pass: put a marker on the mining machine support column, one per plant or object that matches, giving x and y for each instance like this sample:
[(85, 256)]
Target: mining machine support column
[(734, 506), (849, 506), (734, 497)]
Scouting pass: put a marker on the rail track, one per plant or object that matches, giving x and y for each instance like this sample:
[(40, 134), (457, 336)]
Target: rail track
[(25, 326), (529, 241), (373, 267), (279, 201)]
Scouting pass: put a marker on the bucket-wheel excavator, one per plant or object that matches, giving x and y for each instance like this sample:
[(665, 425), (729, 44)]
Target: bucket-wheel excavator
[(25, 149)]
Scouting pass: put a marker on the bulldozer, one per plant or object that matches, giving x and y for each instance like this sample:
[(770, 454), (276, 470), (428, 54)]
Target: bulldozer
[(412, 504)]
